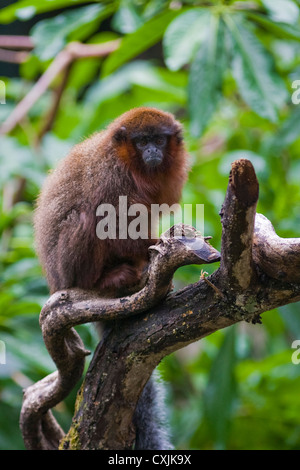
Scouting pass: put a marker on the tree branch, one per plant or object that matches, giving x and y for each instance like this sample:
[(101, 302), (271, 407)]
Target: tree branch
[(16, 42), (73, 51), (145, 327), (238, 216), (50, 118), (277, 257), (14, 57), (66, 309)]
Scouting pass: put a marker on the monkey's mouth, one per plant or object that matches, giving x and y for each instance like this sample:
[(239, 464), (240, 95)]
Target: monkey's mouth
[(152, 160)]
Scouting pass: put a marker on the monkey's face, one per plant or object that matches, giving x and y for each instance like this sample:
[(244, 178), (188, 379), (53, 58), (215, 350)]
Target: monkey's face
[(147, 140), (151, 148)]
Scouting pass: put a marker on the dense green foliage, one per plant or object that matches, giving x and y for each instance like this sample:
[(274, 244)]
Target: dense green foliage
[(226, 70)]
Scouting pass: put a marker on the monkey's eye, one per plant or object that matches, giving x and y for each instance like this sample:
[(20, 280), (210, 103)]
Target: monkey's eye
[(141, 141), (160, 140)]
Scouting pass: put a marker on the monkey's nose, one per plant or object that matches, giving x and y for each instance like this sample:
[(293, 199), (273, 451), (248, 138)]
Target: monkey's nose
[(152, 157), (151, 152)]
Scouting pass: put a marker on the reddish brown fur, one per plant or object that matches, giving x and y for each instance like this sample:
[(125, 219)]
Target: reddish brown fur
[(97, 171)]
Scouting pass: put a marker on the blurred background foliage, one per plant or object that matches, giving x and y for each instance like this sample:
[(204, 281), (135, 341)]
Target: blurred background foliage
[(225, 69)]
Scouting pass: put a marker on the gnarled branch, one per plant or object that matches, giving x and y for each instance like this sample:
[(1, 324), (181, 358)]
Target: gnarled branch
[(16, 42), (278, 257), (145, 327), (66, 309), (238, 216)]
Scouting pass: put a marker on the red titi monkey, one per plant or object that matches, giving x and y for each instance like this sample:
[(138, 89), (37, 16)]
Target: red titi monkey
[(140, 155)]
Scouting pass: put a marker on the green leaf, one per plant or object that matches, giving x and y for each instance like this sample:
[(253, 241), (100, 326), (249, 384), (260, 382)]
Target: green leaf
[(139, 73), (126, 20), (153, 7), (51, 35), (206, 76), (22, 308), (10, 167), (9, 217), (221, 389), (285, 11), (133, 44), (282, 30), (183, 35), (288, 132), (138, 83), (253, 69), (26, 9)]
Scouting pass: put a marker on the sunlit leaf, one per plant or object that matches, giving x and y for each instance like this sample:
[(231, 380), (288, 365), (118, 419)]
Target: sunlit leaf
[(126, 20), (183, 36), (253, 69), (136, 73), (143, 38), (282, 30), (26, 9), (51, 35), (206, 76), (285, 11)]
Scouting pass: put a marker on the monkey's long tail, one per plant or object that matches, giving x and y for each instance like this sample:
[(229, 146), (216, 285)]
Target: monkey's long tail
[(150, 418)]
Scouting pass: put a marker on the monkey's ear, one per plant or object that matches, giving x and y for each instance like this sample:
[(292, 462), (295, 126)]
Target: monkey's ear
[(120, 135), (178, 135)]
